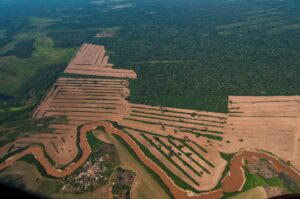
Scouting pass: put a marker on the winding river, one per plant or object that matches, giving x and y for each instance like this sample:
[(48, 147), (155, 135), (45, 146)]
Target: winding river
[(231, 183)]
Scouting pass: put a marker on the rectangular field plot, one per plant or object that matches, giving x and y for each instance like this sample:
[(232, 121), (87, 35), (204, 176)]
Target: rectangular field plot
[(91, 60), (268, 123)]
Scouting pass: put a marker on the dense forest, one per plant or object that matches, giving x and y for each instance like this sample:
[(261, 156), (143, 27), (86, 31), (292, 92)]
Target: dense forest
[(190, 54)]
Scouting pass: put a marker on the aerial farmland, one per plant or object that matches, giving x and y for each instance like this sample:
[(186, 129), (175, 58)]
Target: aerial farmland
[(127, 99), (185, 148)]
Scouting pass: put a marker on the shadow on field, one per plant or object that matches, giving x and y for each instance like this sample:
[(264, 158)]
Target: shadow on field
[(11, 192)]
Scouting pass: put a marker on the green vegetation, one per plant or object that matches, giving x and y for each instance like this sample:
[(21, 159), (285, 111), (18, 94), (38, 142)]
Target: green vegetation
[(72, 38), (189, 156), (171, 153), (14, 109), (20, 70), (22, 49), (93, 141), (172, 120), (181, 117), (85, 76), (192, 66), (198, 54), (199, 155), (19, 77), (200, 147), (178, 64), (176, 126), (150, 133), (213, 137), (25, 175), (30, 159), (43, 42), (176, 180), (280, 180), (49, 186), (257, 180), (116, 190), (122, 181), (228, 158), (146, 151), (101, 163), (196, 67), (209, 136)]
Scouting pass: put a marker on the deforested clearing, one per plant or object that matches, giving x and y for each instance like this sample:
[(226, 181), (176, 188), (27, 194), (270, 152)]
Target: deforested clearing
[(184, 148)]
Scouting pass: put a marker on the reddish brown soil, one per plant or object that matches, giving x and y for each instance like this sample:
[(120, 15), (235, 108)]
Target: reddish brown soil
[(91, 60), (231, 183), (4, 149), (235, 180), (260, 121)]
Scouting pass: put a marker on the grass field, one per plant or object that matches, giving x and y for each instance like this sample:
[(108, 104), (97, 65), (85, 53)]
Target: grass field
[(145, 184), (15, 109), (93, 141), (31, 178), (257, 192), (22, 69)]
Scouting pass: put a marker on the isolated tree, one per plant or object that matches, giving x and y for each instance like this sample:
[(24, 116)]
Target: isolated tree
[(186, 138), (170, 137), (188, 154)]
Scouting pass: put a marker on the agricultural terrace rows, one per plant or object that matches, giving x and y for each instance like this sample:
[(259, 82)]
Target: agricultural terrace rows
[(78, 101), (231, 183), (182, 138), (182, 146), (263, 123), (272, 20), (91, 60)]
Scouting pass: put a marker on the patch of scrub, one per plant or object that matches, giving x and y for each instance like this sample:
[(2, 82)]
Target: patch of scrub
[(107, 32), (26, 176), (2, 33), (7, 47), (42, 41), (122, 181), (18, 70), (97, 2), (22, 49), (15, 109), (121, 6), (41, 23), (257, 192)]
